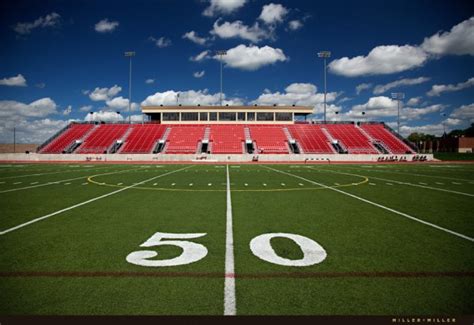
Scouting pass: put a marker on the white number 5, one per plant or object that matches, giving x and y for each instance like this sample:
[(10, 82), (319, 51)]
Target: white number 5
[(192, 252)]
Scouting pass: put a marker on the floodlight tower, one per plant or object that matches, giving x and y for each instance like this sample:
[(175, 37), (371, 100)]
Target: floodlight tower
[(221, 53), (398, 97), (130, 54), (324, 55)]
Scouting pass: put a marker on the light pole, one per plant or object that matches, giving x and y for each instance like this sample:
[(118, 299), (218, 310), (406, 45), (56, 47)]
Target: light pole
[(444, 124), (324, 55), (398, 97), (130, 54), (221, 53)]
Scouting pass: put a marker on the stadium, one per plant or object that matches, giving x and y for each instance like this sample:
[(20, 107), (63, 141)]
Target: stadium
[(230, 207)]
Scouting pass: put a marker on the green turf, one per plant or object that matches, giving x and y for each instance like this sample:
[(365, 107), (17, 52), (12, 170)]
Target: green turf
[(84, 249), (454, 156)]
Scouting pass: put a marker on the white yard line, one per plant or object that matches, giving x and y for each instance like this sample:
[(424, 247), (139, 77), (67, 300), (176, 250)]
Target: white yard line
[(378, 205), (229, 285), (86, 202), (423, 186)]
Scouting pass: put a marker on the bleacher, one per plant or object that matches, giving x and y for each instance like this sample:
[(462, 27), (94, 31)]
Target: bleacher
[(269, 139), (100, 139), (183, 139), (227, 139), (64, 140), (371, 138), (142, 138), (392, 143), (352, 138), (311, 138)]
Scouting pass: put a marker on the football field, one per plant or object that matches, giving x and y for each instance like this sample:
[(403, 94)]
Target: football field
[(365, 239)]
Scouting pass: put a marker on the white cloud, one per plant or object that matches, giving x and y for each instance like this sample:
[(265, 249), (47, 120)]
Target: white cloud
[(295, 24), (383, 59), (67, 110), (380, 89), (104, 116), (195, 38), (382, 106), (106, 26), (238, 29), (458, 41), (465, 112), (22, 117), (104, 93), (18, 81), (362, 87), (39, 108), (85, 108), (51, 20), (296, 94), (415, 101), (189, 97), (252, 57), (199, 74), (273, 13), (149, 81), (160, 42), (36, 131), (201, 56), (40, 85), (224, 7), (119, 103), (437, 90)]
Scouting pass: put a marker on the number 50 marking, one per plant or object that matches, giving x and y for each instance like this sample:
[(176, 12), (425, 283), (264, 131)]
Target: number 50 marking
[(313, 253)]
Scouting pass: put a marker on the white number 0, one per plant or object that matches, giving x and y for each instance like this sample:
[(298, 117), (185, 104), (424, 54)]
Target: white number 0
[(313, 253), (192, 252)]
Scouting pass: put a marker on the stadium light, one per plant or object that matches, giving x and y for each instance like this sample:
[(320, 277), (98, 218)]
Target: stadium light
[(324, 55), (130, 54), (221, 53), (398, 97)]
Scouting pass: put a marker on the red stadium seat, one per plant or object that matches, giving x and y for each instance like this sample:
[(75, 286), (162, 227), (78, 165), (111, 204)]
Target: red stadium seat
[(270, 139), (102, 138), (142, 138), (72, 133), (227, 139), (183, 139), (390, 141)]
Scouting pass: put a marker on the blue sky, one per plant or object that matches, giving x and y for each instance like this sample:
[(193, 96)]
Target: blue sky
[(62, 59)]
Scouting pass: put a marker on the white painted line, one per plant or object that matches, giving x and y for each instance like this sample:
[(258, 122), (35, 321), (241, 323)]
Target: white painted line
[(67, 183), (85, 183), (34, 183), (60, 172), (85, 202), (336, 183), (210, 184), (190, 184), (422, 183), (119, 183), (439, 183), (283, 184), (16, 183), (379, 206), (389, 183), (300, 184), (2, 182), (173, 184), (229, 284), (424, 186), (372, 184), (456, 183), (154, 184), (264, 184), (246, 184)]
